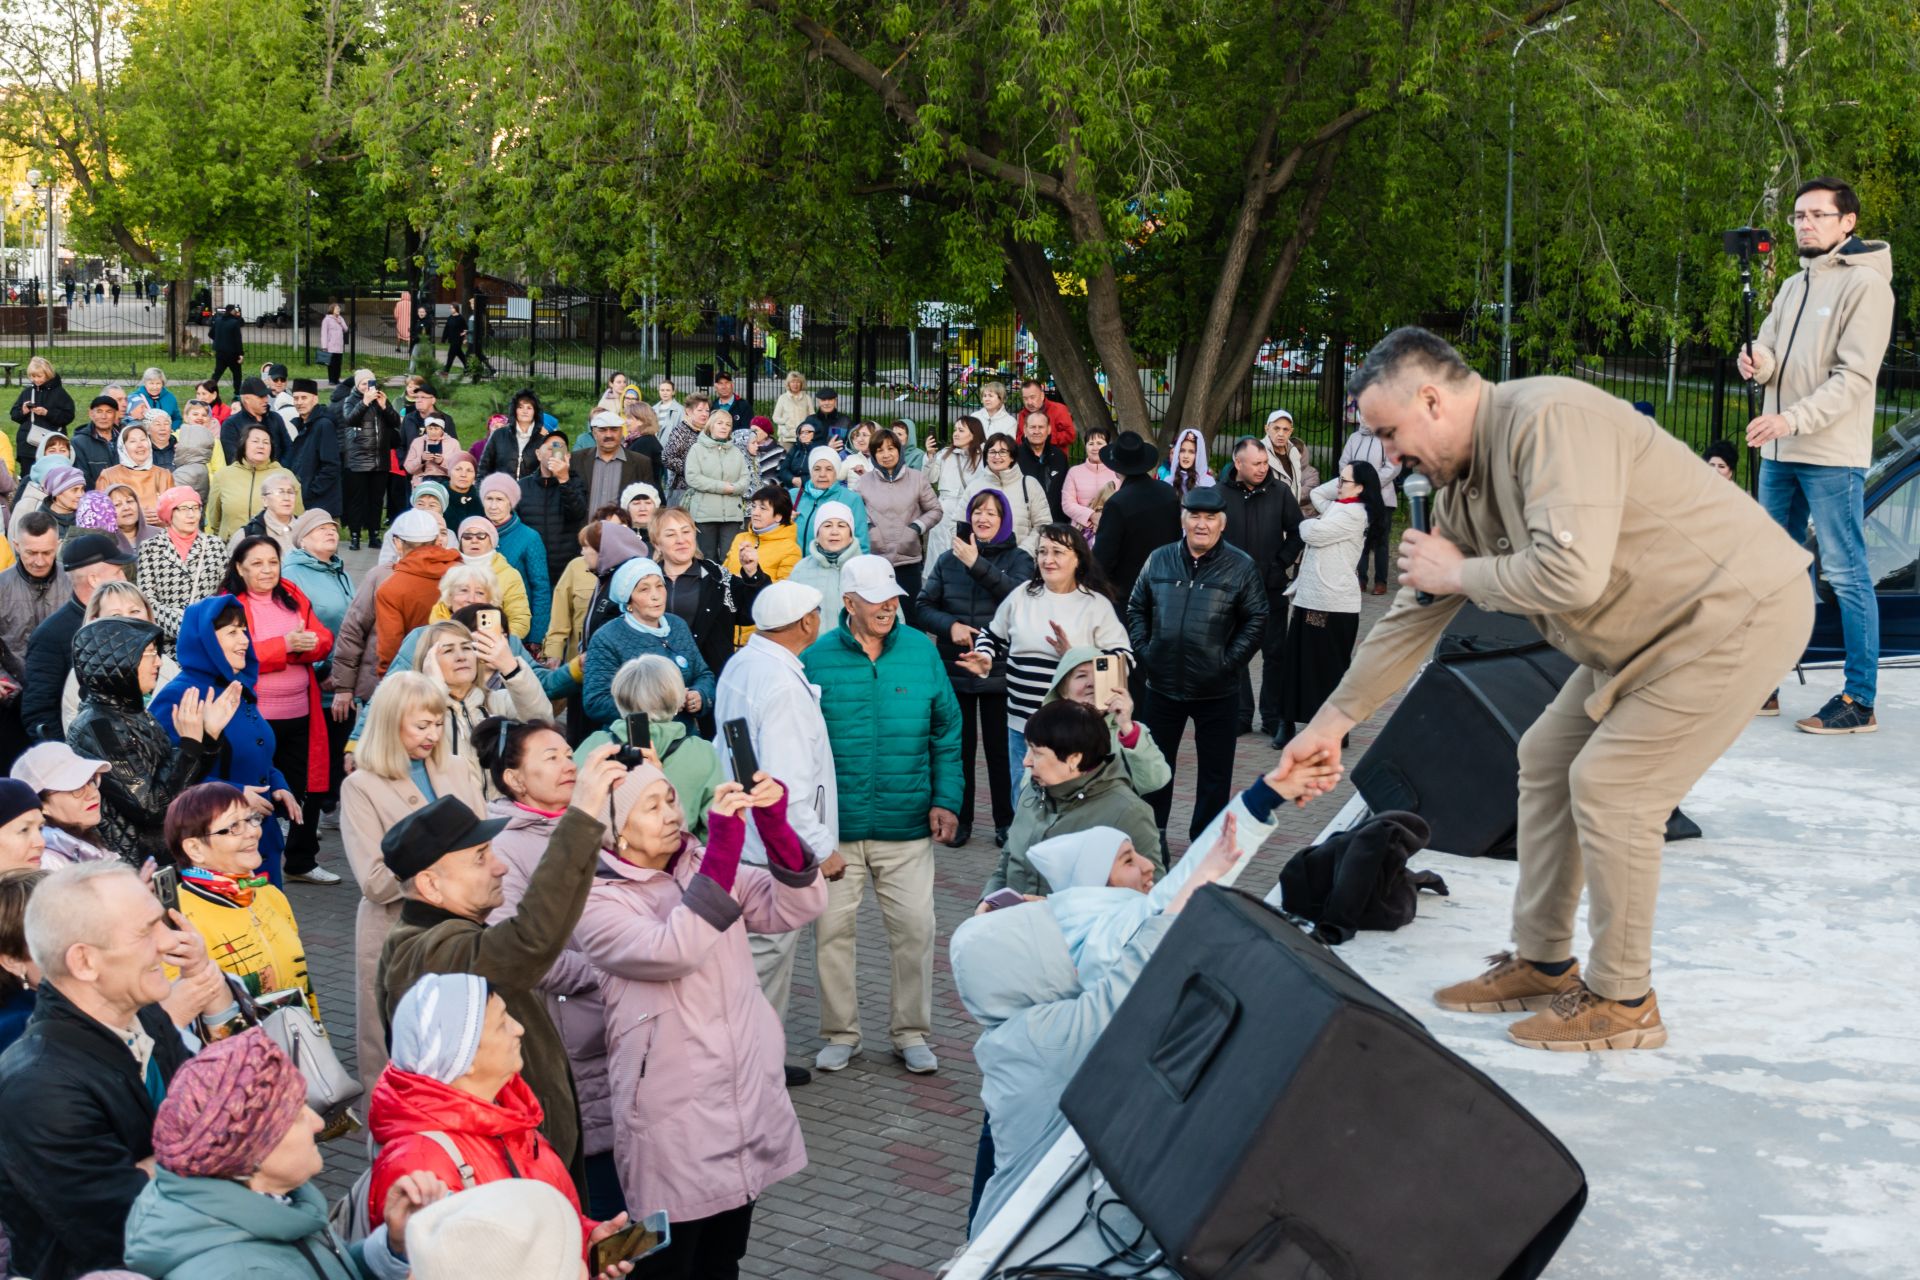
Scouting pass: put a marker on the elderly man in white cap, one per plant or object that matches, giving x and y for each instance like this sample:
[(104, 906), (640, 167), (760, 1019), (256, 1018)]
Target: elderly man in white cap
[(765, 685), (606, 465), (1289, 458), (894, 724)]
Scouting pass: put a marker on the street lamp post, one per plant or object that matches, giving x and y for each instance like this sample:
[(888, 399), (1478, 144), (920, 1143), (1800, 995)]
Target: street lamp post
[(1506, 268), (33, 180)]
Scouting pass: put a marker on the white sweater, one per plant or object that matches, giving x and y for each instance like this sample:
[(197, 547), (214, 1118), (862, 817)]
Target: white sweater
[(1327, 580), (1022, 628)]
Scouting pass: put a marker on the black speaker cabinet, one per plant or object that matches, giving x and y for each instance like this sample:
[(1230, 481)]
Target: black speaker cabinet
[(1270, 1116), (1450, 752)]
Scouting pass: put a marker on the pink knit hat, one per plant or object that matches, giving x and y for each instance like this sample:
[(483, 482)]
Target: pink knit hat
[(228, 1107), (504, 484), (627, 794), (172, 498)]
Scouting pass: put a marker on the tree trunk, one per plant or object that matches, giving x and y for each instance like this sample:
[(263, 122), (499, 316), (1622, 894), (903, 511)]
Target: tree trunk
[(1108, 329), (1030, 280), (180, 302)]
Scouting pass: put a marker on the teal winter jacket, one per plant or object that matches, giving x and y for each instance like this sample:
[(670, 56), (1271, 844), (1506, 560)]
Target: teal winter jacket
[(895, 729), (213, 1229)]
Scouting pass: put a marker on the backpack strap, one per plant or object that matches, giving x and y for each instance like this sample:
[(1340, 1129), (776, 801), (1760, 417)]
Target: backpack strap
[(454, 1154)]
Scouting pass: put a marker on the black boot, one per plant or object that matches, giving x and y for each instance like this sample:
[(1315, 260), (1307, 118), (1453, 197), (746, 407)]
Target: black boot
[(1283, 735), (353, 542), (961, 834), (999, 837)]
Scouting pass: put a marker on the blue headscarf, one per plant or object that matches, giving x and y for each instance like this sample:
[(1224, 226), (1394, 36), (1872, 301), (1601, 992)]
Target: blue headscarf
[(199, 652)]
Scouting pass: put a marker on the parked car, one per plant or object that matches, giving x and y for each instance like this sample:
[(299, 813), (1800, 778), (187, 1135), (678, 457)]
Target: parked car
[(1893, 551)]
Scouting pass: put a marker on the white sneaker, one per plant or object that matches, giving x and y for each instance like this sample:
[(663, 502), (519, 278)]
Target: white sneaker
[(834, 1057), (330, 820), (319, 875), (919, 1059)]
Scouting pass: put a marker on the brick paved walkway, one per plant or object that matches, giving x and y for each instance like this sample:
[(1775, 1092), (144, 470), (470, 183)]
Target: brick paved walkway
[(891, 1154)]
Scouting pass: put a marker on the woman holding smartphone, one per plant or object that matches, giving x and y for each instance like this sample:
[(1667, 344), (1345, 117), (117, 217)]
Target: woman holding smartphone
[(963, 592)]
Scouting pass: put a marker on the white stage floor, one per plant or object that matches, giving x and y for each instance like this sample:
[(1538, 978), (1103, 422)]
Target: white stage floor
[(1778, 1132)]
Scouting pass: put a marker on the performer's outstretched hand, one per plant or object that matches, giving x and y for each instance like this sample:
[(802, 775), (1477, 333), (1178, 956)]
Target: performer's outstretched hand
[(1308, 754)]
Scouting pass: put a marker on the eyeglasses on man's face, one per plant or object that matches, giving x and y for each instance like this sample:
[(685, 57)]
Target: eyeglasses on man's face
[(1811, 217)]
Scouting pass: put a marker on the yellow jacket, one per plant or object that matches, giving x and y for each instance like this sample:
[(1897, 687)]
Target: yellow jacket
[(259, 943), (568, 616), (779, 551), (513, 599)]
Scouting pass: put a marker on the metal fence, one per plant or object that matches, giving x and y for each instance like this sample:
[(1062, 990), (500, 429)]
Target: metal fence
[(928, 372)]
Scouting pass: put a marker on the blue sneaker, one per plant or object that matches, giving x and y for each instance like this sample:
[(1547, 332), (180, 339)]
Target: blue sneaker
[(1841, 715)]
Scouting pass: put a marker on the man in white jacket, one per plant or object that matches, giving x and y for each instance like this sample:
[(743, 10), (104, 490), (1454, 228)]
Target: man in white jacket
[(765, 685), (1817, 359)]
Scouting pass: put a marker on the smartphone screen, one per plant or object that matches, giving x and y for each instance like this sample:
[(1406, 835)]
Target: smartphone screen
[(638, 1240), (740, 746)]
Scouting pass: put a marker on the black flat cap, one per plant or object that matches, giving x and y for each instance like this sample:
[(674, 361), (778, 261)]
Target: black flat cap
[(826, 393), (83, 549), (103, 402), (307, 385), (1204, 497), (427, 835)]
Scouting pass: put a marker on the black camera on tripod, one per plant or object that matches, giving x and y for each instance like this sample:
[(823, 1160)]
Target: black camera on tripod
[(1745, 242)]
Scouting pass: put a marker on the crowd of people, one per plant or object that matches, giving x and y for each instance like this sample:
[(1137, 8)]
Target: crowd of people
[(578, 923)]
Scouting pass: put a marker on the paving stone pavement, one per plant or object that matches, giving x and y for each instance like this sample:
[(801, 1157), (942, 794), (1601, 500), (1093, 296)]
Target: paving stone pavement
[(885, 1192)]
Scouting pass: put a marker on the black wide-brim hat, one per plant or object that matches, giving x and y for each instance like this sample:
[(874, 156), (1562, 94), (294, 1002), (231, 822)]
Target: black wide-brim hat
[(1131, 454)]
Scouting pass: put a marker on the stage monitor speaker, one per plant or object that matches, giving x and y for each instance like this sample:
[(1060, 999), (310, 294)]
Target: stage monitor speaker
[(1477, 630), (1269, 1116), (1450, 751)]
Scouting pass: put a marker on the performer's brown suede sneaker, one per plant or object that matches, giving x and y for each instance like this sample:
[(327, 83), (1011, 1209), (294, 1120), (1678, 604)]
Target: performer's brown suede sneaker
[(1578, 1021), (1511, 986)]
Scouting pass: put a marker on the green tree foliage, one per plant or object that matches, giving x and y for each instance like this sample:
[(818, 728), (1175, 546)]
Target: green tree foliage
[(185, 129)]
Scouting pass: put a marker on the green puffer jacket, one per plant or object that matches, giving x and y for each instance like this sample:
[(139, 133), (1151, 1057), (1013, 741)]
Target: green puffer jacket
[(1103, 798), (895, 729), (713, 467), (213, 1229)]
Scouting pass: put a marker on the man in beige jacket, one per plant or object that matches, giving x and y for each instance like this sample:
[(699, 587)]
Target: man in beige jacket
[(1816, 359), (1682, 603)]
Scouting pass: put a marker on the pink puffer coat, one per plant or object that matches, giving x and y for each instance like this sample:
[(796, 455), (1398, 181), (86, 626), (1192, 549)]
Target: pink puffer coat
[(572, 986), (697, 1055)]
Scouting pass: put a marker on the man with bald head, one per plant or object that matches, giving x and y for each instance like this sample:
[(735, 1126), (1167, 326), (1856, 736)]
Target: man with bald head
[(1681, 601)]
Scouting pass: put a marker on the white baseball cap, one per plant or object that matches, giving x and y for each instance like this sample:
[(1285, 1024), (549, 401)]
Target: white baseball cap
[(1278, 414), (871, 578), (55, 766), (783, 604)]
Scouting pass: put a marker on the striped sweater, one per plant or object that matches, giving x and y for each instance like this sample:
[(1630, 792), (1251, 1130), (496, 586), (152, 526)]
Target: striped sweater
[(1022, 629)]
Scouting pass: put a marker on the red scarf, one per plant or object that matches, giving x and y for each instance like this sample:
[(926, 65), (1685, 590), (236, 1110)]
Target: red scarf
[(235, 889)]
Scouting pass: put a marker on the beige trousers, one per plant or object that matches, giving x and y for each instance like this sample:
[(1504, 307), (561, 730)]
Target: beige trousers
[(1594, 798), (773, 955), (901, 872)]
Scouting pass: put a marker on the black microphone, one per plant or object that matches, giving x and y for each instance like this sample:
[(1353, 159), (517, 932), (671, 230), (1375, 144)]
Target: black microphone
[(1418, 489)]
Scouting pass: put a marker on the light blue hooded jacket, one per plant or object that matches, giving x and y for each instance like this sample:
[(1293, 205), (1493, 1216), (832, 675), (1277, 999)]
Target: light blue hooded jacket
[(1039, 1022), (1096, 920)]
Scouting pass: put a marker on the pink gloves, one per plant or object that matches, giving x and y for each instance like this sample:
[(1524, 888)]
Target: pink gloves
[(784, 849), (726, 835)]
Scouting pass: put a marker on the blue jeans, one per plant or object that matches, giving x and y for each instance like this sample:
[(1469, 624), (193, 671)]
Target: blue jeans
[(1834, 498), (1016, 759)]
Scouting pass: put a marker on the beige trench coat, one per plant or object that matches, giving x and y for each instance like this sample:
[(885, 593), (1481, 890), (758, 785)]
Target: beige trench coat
[(369, 808)]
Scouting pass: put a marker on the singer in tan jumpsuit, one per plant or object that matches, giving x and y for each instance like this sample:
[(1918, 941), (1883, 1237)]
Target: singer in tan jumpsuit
[(1681, 601)]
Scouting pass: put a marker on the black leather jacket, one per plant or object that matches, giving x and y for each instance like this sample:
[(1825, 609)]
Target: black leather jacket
[(1196, 625), (148, 770), (78, 1122), (370, 430)]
